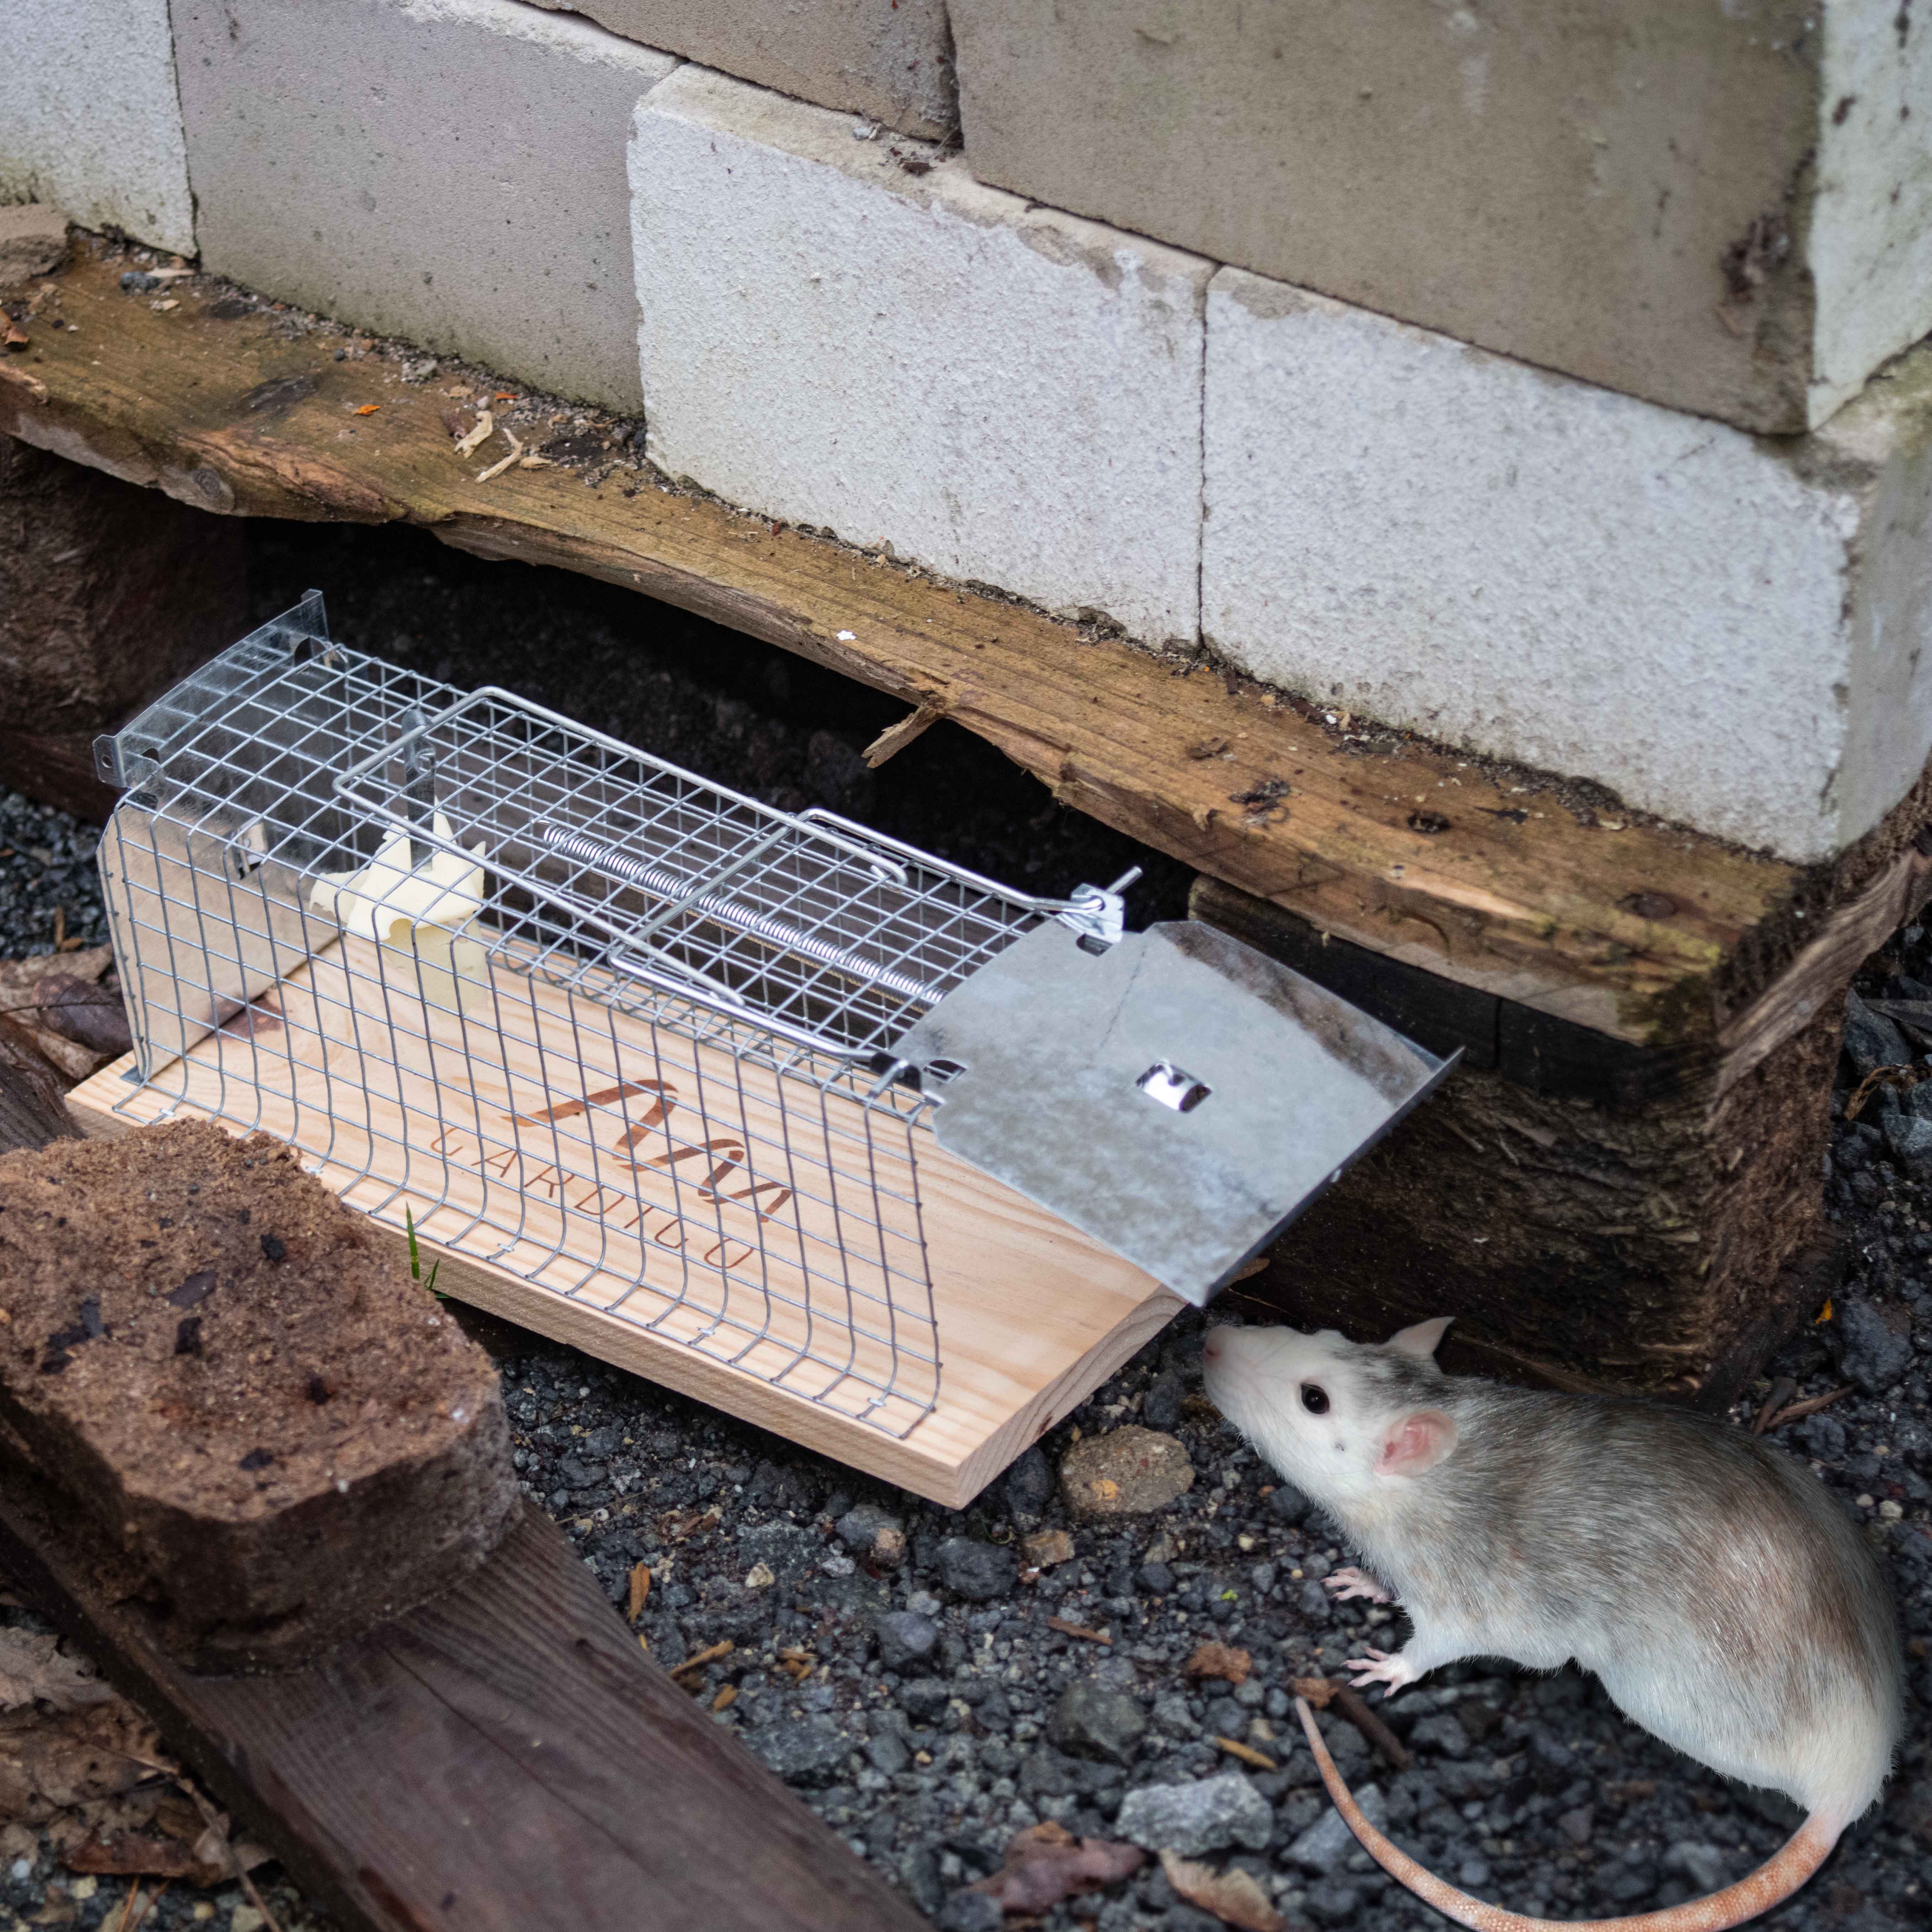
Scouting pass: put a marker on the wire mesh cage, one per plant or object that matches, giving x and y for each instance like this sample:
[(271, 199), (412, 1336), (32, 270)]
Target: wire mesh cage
[(704, 1068), (521, 978)]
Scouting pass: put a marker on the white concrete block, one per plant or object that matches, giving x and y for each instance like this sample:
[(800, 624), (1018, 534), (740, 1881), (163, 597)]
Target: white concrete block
[(1725, 206), (1726, 630), (90, 120), (856, 334), (451, 171), (892, 59)]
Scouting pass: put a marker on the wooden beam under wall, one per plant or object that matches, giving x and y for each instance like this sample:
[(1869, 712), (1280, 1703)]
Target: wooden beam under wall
[(1593, 1214), (1643, 932)]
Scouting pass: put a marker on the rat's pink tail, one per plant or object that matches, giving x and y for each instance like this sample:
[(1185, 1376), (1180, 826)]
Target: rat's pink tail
[(1774, 1881)]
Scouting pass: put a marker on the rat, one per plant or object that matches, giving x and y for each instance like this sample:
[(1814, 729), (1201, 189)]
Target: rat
[(1722, 1596)]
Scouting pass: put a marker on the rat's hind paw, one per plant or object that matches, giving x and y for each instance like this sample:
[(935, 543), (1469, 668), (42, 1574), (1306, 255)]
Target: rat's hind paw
[(1380, 1666), (1342, 1584)]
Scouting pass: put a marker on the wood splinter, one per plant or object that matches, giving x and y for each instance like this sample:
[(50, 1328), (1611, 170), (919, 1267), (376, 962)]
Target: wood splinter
[(1320, 1692), (895, 738)]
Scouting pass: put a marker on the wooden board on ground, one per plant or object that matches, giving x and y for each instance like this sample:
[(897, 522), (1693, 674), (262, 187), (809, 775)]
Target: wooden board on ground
[(504, 1759), (805, 1314), (1638, 931)]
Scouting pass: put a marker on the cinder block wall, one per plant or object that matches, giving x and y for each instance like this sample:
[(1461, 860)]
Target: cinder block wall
[(1727, 208), (89, 118), (1539, 377)]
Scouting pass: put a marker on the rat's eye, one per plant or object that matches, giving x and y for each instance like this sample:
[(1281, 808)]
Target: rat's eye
[(1315, 1398)]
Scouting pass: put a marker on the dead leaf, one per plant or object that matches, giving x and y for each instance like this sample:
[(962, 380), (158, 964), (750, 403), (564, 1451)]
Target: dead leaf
[(1233, 1896), (641, 1589), (145, 1855), (50, 1762), (1045, 1863), (1318, 1691), (368, 408), (1046, 1547), (1213, 1659), (34, 1669)]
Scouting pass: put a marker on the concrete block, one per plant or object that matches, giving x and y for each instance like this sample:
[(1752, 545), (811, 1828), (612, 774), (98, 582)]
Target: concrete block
[(889, 59), (1722, 204), (33, 241), (1726, 630), (90, 118), (857, 335), (452, 171)]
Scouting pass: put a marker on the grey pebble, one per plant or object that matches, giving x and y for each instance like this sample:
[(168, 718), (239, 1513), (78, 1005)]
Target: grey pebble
[(1702, 1864), (970, 1912), (980, 1572), (1091, 1721), (905, 1637), (1332, 1902), (1030, 1485), (1440, 1733), (924, 1699), (803, 1750), (1872, 1352), (1207, 1815), (1161, 1409), (1328, 1841)]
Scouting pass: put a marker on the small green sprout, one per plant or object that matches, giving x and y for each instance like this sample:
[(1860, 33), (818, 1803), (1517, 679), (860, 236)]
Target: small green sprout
[(416, 1259)]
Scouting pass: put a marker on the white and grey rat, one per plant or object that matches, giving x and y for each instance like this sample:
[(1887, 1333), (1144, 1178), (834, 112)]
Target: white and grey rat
[(1721, 1594)]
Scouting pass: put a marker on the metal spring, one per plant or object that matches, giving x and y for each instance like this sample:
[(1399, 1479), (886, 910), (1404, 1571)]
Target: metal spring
[(777, 932)]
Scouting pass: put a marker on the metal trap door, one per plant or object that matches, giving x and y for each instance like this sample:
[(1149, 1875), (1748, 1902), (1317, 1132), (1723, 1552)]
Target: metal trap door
[(615, 867), (1177, 1096)]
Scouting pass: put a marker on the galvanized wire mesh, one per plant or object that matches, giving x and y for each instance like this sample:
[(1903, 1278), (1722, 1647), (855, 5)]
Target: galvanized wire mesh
[(560, 1005)]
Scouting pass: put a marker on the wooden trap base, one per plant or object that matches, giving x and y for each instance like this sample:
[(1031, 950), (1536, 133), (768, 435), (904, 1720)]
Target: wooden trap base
[(546, 1148)]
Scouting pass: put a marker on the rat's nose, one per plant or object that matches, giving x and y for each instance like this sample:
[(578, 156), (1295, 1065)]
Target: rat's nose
[(1210, 1349)]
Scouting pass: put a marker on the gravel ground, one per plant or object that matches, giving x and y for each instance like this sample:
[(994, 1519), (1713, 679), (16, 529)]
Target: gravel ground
[(899, 1664)]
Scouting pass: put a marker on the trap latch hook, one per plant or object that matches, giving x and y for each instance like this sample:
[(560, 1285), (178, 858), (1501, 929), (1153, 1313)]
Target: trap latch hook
[(1098, 914)]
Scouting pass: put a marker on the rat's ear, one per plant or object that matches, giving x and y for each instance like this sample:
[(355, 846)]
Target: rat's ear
[(1417, 1442), (1422, 1339)]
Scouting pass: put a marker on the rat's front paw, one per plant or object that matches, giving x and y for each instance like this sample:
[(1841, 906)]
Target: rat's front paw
[(1379, 1666), (1342, 1584)]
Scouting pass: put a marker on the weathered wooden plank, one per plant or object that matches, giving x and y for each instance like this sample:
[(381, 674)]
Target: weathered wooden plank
[(505, 1759), (1645, 933)]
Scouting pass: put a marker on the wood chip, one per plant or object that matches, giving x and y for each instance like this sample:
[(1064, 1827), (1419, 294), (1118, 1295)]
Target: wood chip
[(726, 1698), (368, 408), (797, 1664), (486, 427), (641, 1589), (1782, 1391), (1247, 1753), (698, 1659), (1067, 1629), (1046, 1547), (1322, 1692), (896, 737), (497, 468), (1219, 1660), (1799, 1411)]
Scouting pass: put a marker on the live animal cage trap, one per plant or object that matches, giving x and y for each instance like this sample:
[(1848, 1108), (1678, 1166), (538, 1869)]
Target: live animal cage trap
[(839, 1136)]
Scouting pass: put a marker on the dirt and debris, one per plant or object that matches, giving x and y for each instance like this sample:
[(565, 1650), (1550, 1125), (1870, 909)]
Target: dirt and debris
[(924, 1722)]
